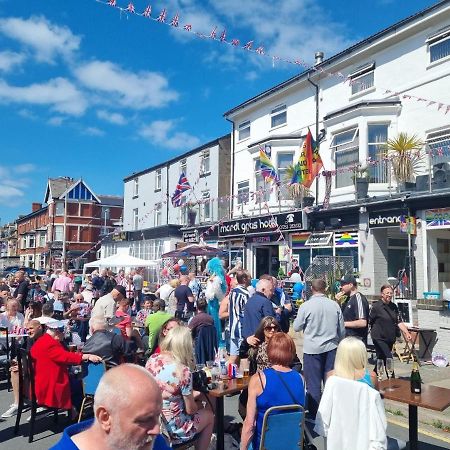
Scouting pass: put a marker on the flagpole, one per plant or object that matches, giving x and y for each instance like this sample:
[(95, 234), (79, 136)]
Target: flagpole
[(316, 86)]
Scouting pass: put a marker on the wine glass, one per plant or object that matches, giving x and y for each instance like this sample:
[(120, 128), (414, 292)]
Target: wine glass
[(390, 370), (380, 369)]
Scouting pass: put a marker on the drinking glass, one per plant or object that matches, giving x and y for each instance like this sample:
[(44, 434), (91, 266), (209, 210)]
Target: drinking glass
[(390, 370), (380, 369)]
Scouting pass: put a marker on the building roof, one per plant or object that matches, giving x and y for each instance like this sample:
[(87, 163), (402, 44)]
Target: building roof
[(111, 200), (177, 158), (22, 218), (57, 186), (305, 74)]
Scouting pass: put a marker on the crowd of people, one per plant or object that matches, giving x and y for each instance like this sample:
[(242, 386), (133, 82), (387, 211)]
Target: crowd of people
[(114, 319)]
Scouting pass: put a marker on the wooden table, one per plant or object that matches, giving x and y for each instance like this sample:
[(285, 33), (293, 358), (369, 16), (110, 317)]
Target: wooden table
[(229, 387), (432, 397)]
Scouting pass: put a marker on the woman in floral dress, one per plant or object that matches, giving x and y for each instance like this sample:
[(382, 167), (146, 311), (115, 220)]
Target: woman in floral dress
[(184, 417)]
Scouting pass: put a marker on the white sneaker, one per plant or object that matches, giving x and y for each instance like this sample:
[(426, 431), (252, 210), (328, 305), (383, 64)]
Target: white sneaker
[(12, 411), (38, 411)]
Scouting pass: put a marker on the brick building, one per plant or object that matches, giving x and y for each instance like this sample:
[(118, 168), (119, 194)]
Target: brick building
[(70, 221)]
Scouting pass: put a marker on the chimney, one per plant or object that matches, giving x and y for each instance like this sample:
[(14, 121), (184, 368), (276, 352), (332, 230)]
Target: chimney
[(35, 206), (318, 58)]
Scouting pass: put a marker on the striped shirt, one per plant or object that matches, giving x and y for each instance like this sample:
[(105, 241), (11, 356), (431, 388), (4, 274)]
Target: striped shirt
[(355, 308), (237, 299)]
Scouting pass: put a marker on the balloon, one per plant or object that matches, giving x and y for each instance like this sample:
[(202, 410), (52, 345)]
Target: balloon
[(176, 267), (298, 287), (184, 269), (164, 272), (181, 262)]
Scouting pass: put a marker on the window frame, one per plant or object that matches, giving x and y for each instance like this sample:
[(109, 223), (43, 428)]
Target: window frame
[(205, 156), (336, 151), (136, 187), (267, 194), (57, 234), (359, 73), (381, 163), (135, 219), (158, 216), (435, 39), (206, 206), (278, 111), (58, 211), (158, 180), (243, 126), (283, 188), (243, 198)]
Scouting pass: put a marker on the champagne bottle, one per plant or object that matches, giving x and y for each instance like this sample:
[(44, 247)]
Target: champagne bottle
[(416, 381)]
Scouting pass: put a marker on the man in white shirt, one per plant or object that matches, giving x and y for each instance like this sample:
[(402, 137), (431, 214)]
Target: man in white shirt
[(138, 281), (106, 306)]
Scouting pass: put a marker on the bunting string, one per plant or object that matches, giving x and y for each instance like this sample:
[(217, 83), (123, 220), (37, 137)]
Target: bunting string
[(250, 47)]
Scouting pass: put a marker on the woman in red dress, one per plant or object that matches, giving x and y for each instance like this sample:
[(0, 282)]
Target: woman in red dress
[(50, 364)]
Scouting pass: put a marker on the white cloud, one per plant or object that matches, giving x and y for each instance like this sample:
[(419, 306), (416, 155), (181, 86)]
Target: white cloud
[(59, 94), (251, 75), (24, 168), (162, 133), (132, 90), (93, 131), (46, 39), (115, 118), (8, 60), (9, 194), (56, 121)]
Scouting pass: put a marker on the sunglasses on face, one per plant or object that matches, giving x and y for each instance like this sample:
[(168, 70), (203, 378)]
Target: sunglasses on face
[(271, 328)]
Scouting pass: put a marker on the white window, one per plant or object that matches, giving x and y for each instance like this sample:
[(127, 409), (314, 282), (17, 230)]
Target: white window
[(278, 116), (59, 208), (438, 142), (439, 45), (204, 167), (59, 233), (42, 240), (244, 130), (158, 177), (262, 187), (183, 166), (376, 150), (363, 78), (23, 243), (135, 218), (135, 187), (206, 206), (345, 146), (243, 191), (31, 241), (284, 160), (158, 215)]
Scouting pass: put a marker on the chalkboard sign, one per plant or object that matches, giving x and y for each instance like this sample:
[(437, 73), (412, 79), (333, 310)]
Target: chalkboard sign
[(405, 308)]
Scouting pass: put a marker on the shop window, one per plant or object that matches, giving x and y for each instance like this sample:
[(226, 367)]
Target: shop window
[(243, 191), (244, 130), (377, 139), (350, 251), (345, 146), (363, 78), (438, 143), (278, 116), (262, 187), (284, 160), (439, 45)]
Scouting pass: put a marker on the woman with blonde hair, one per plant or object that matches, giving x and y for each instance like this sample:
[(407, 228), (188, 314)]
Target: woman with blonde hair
[(172, 369), (351, 362)]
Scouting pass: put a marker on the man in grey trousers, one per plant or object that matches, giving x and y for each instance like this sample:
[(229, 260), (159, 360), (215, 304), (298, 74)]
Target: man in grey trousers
[(322, 324)]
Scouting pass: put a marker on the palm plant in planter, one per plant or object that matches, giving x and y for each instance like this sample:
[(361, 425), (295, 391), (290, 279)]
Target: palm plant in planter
[(299, 193), (361, 179), (405, 153)]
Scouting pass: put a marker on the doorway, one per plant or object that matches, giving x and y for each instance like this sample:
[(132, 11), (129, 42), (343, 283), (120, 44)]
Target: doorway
[(266, 261)]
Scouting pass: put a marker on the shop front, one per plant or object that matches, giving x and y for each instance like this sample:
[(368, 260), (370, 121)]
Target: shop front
[(265, 240)]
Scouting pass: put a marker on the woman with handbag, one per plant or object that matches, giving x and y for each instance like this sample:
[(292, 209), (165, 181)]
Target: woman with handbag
[(172, 369), (386, 323), (274, 386)]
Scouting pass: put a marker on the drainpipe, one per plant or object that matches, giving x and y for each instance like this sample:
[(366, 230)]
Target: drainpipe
[(316, 86), (167, 194), (232, 170)]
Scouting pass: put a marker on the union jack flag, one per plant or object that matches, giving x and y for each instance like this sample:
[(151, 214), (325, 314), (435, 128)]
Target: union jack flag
[(147, 12), (130, 8), (175, 21), (182, 186), (188, 27), (235, 42), (213, 33), (112, 2), (223, 36), (162, 16), (248, 45)]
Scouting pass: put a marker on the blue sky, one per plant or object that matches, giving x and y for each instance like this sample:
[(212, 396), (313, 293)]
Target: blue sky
[(86, 91)]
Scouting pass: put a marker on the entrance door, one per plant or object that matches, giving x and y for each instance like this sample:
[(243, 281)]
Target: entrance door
[(262, 261)]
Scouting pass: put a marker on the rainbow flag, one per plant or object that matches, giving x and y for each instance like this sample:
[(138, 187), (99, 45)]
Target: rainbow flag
[(299, 240), (309, 162), (268, 170)]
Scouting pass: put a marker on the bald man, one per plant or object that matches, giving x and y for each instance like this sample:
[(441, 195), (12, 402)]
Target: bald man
[(127, 406)]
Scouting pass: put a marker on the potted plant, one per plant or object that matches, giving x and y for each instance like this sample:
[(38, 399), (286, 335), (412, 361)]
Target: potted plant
[(405, 153), (301, 195), (361, 180)]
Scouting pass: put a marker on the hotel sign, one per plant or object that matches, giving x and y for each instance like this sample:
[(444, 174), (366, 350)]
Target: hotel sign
[(262, 224)]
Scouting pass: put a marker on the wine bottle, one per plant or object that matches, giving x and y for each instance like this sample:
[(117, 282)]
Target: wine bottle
[(416, 381)]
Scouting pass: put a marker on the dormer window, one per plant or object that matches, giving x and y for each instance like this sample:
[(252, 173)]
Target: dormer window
[(439, 45)]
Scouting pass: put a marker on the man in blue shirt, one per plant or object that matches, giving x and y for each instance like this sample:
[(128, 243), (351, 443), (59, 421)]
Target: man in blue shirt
[(257, 307), (127, 406)]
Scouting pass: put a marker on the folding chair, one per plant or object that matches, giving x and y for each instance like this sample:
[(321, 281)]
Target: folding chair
[(283, 427), (5, 357), (27, 394), (92, 373)]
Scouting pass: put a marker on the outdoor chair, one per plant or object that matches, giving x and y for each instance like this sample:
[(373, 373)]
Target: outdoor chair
[(92, 374), (172, 442), (5, 355), (27, 394), (283, 427)]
